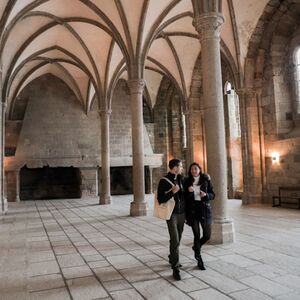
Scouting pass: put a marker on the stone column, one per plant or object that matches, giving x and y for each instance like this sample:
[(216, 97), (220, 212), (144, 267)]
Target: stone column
[(138, 206), (3, 200), (105, 197), (207, 25), (251, 147), (18, 186)]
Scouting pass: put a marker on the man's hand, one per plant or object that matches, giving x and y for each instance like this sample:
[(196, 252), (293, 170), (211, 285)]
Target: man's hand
[(175, 189), (191, 189)]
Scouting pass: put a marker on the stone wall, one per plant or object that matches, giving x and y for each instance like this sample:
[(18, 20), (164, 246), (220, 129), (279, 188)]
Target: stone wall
[(197, 134), (56, 132), (278, 104)]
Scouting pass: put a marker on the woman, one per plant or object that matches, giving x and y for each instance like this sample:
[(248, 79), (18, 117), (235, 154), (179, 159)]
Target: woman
[(198, 193)]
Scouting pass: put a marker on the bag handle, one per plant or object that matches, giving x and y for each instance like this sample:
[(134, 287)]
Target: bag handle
[(165, 178)]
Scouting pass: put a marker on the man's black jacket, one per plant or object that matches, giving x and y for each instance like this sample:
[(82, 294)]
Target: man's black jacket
[(164, 194)]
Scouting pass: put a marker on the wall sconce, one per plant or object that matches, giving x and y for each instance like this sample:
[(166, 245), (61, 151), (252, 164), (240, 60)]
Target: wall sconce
[(275, 158)]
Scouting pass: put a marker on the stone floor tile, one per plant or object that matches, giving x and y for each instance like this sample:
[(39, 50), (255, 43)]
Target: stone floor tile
[(159, 289), (112, 251), (266, 286), (86, 250), (86, 288), (148, 258), (61, 243), (260, 254), (217, 251), (70, 260), (54, 294), (264, 235), (58, 238), (12, 280), (117, 285), (290, 296), (168, 274), (37, 238), (267, 271), (61, 250), (228, 269), (124, 261), (81, 243), (39, 245), (43, 268), (77, 272), (91, 258), (126, 295), (239, 260), (13, 294), (99, 264), (45, 282), (210, 294), (190, 285), (138, 274), (40, 256), (158, 266), (218, 281), (140, 252), (250, 294), (107, 274), (291, 281), (240, 247), (56, 233)]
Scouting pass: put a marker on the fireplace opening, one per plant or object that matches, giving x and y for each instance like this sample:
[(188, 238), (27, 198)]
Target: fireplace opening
[(121, 180), (50, 183)]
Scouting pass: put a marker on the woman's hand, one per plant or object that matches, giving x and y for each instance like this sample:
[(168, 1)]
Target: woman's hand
[(190, 189), (202, 194)]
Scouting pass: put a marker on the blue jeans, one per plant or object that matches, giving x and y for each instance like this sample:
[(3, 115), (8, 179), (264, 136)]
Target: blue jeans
[(175, 228)]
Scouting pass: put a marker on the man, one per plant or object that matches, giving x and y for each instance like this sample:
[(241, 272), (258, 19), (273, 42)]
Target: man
[(175, 225)]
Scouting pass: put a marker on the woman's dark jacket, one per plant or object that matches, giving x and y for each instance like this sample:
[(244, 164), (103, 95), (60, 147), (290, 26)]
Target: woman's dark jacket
[(164, 194), (198, 210)]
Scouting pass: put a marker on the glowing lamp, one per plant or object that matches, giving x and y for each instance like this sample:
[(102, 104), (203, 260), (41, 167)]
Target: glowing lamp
[(275, 157)]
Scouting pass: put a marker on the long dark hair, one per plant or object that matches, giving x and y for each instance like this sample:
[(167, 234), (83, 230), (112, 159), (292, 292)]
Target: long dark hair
[(191, 177)]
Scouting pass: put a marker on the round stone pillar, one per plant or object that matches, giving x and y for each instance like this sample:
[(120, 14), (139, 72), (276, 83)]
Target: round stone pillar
[(3, 200), (208, 27), (105, 196), (138, 205)]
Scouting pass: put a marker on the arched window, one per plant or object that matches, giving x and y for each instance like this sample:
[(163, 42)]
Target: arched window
[(227, 88), (297, 76)]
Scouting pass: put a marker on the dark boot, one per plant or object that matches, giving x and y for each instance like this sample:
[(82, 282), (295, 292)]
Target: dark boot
[(176, 274), (179, 265), (200, 263)]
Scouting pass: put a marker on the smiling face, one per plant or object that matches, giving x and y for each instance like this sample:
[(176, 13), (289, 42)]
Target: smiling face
[(195, 171)]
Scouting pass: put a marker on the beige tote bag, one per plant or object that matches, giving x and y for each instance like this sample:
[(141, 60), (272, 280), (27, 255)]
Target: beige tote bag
[(163, 211)]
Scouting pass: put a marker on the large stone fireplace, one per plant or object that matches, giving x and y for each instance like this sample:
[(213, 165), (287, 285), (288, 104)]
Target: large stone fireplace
[(49, 183), (60, 144)]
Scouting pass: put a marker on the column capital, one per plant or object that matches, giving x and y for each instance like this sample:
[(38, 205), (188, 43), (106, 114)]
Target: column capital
[(105, 112), (208, 25), (136, 86), (3, 105)]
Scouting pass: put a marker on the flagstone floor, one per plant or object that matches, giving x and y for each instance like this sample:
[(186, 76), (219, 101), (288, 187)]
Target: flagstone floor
[(76, 249)]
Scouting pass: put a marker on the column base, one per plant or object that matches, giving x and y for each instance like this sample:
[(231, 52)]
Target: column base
[(4, 207), (104, 199), (251, 199), (138, 209), (222, 231)]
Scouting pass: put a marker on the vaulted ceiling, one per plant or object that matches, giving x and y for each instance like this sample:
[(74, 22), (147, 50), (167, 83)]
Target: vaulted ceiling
[(90, 44)]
